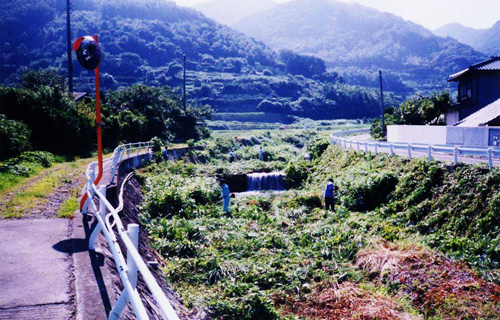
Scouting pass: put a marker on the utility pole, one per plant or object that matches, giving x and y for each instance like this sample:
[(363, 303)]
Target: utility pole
[(70, 62), (382, 103), (184, 85)]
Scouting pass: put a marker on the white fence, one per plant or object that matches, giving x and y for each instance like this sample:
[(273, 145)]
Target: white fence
[(110, 224), (456, 154)]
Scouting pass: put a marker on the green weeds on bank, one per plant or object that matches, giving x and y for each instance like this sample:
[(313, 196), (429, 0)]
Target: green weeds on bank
[(276, 246)]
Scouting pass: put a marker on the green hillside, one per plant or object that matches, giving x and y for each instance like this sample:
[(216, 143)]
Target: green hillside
[(144, 42)]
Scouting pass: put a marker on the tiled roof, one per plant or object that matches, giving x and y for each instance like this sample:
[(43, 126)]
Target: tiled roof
[(491, 64), (482, 116)]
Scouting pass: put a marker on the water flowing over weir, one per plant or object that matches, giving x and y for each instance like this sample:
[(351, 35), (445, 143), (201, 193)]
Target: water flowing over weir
[(266, 181)]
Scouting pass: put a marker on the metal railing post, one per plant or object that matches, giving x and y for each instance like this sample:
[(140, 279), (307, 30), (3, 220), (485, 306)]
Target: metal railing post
[(366, 147), (392, 149), (376, 148), (490, 158), (102, 213), (89, 188), (409, 151), (121, 303), (429, 153), (357, 145), (455, 155), (122, 153), (116, 156)]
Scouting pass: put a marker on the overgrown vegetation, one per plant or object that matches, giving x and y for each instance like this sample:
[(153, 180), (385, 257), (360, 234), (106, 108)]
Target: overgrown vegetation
[(282, 256)]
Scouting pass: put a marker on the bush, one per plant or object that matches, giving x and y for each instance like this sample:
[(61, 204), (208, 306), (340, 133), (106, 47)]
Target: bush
[(296, 174), (45, 159), (25, 163), (368, 191), (14, 138)]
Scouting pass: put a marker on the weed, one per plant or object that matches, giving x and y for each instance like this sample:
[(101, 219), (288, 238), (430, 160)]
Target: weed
[(68, 208)]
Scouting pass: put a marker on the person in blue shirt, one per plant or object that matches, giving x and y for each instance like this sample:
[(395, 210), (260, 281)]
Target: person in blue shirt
[(330, 195), (165, 153), (226, 195)]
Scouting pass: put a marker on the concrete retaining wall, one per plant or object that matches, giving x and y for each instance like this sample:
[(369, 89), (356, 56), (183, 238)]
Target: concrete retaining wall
[(441, 135), (433, 135)]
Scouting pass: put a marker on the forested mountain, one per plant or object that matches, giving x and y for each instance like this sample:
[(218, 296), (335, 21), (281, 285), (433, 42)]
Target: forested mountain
[(232, 11), (360, 39), (144, 42), (484, 40)]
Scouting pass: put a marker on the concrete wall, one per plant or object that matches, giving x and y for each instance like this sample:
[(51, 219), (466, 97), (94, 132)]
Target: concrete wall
[(440, 135), (452, 117), (467, 136), (417, 134)]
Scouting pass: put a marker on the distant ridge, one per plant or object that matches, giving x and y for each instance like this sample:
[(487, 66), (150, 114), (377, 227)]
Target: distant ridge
[(484, 40), (231, 11), (461, 33), (350, 35)]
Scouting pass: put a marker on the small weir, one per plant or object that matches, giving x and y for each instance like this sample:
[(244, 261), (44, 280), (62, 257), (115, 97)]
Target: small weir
[(266, 181)]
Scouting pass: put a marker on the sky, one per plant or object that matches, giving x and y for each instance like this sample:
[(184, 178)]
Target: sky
[(432, 14)]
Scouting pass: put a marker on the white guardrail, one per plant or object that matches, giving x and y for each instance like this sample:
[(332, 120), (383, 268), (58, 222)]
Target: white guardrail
[(486, 153), (110, 224)]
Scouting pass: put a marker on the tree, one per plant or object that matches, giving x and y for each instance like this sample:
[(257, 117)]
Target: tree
[(140, 113), (420, 110)]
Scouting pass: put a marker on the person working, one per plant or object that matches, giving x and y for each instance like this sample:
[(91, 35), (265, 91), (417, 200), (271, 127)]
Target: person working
[(261, 154), (330, 195), (165, 153), (226, 195)]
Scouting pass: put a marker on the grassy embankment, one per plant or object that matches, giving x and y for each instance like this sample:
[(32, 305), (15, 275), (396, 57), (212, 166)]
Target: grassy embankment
[(387, 252), (28, 184)]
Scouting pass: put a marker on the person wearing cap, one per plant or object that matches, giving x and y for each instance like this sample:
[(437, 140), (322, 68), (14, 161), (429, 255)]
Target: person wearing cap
[(226, 195), (330, 195)]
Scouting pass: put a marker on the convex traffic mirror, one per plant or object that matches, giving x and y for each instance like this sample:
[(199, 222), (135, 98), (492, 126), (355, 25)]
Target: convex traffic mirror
[(88, 52)]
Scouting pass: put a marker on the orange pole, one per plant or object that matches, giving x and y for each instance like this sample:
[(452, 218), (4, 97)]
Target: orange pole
[(99, 132)]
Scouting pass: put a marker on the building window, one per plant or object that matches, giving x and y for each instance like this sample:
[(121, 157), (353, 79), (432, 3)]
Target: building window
[(465, 91)]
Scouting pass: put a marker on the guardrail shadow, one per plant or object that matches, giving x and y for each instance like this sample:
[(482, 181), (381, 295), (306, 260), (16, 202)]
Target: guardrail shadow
[(97, 259)]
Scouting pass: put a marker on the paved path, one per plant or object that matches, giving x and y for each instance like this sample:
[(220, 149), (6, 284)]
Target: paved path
[(47, 271), (35, 272)]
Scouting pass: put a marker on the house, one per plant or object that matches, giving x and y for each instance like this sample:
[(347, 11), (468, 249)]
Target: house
[(478, 87)]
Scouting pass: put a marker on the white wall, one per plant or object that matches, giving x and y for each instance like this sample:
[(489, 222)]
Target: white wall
[(452, 117), (436, 135), (417, 134)]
